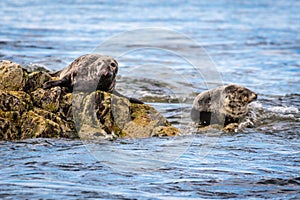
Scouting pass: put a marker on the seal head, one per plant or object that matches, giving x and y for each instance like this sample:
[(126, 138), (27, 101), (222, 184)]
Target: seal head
[(236, 100)]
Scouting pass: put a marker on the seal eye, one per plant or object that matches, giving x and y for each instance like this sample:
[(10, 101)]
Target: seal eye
[(113, 65)]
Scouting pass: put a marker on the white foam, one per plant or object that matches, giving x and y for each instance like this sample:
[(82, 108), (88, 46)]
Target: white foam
[(284, 109), (255, 104)]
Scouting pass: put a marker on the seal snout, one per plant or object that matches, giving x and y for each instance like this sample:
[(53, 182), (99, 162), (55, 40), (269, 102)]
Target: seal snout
[(252, 97), (109, 70), (107, 74)]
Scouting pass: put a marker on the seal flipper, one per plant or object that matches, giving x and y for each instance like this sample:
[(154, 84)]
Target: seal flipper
[(51, 84), (55, 74), (202, 118), (65, 82), (132, 100)]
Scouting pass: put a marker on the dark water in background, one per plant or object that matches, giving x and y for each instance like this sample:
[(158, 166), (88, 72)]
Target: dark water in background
[(253, 43)]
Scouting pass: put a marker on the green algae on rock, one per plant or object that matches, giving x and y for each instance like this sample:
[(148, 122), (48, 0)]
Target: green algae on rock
[(15, 101), (8, 131), (29, 111), (36, 80), (47, 99), (11, 76), (147, 122), (41, 123), (105, 115)]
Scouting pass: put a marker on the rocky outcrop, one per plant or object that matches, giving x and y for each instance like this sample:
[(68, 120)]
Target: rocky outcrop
[(29, 111), (109, 116)]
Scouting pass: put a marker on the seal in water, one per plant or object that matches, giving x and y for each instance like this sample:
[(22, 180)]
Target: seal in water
[(223, 105), (89, 73)]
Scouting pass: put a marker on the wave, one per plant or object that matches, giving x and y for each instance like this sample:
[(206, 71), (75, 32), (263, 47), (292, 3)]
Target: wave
[(266, 118)]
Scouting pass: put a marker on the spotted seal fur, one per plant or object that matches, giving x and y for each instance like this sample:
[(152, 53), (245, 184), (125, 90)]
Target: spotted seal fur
[(222, 105), (88, 73)]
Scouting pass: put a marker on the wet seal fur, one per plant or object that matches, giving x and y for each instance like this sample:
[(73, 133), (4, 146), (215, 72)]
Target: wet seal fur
[(88, 73), (222, 105)]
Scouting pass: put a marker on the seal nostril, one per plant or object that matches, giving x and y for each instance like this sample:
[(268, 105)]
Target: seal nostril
[(255, 96), (105, 73)]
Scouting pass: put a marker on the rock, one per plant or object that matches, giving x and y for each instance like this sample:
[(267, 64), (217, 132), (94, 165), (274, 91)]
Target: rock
[(147, 122), (11, 76), (162, 131), (29, 111), (47, 99), (15, 101), (41, 123), (65, 106), (36, 80), (8, 131), (36, 67), (94, 116), (108, 116), (34, 125), (232, 127)]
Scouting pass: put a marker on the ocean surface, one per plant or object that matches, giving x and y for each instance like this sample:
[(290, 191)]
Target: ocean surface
[(168, 52)]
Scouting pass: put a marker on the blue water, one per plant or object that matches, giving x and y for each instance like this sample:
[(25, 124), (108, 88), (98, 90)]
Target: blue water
[(251, 43)]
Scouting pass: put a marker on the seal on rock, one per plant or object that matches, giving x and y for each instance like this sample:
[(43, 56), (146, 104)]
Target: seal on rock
[(88, 73), (222, 105)]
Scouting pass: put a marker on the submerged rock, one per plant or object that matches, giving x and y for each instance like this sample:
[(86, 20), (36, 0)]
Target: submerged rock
[(29, 111)]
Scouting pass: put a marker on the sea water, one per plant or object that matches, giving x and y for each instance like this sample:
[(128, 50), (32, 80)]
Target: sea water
[(251, 43)]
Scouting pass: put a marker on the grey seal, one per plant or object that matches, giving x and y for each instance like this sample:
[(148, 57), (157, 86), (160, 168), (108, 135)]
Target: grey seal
[(88, 73), (222, 105)]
